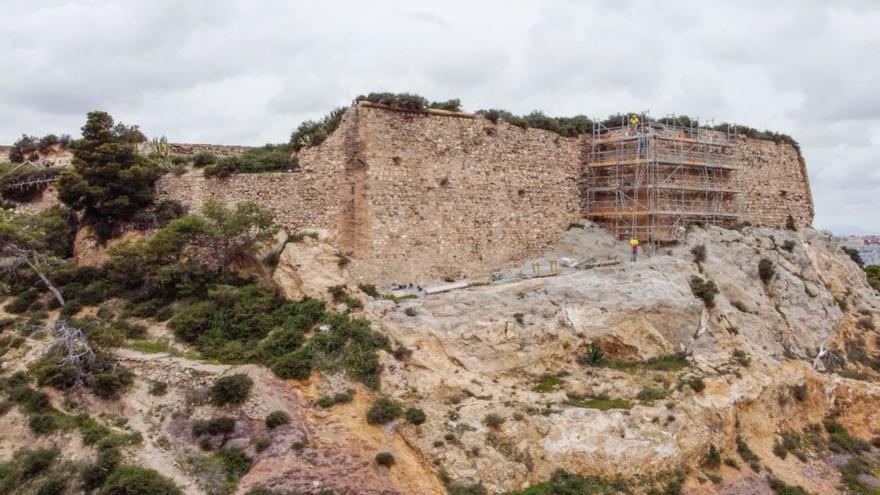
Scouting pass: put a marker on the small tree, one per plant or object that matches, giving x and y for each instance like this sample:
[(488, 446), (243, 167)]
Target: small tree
[(109, 180), (32, 242), (415, 415), (232, 389), (232, 231), (766, 271), (383, 410), (705, 290), (385, 459)]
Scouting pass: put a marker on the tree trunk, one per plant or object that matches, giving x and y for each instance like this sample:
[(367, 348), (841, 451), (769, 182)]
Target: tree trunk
[(48, 283)]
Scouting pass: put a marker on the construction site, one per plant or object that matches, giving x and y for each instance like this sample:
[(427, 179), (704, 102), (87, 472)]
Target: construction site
[(649, 179)]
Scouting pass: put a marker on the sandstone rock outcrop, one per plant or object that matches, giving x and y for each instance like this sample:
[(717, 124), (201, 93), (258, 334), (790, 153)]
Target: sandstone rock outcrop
[(308, 268)]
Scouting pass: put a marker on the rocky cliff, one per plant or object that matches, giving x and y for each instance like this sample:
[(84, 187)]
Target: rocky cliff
[(608, 368)]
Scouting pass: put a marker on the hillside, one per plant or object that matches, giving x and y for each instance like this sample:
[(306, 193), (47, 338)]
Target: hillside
[(608, 369)]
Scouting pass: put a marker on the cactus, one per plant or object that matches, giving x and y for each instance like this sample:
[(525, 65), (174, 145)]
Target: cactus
[(159, 147)]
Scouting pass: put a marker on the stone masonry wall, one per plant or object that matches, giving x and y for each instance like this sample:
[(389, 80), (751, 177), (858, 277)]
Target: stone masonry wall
[(775, 183), (306, 199), (455, 196), (417, 197)]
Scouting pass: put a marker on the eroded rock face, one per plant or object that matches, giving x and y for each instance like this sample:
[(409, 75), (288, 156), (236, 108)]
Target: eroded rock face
[(88, 250), (307, 268), (485, 350), (512, 349)]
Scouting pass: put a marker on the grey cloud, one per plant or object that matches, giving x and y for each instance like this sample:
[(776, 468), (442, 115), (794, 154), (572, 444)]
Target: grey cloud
[(226, 71)]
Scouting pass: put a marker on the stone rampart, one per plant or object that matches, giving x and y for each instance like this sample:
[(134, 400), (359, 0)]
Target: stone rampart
[(422, 196)]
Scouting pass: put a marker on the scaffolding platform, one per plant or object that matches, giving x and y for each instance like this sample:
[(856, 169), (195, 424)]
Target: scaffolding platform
[(650, 179)]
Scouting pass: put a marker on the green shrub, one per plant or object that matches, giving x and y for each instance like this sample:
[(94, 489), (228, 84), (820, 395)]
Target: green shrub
[(705, 290), (564, 483), (697, 384), (469, 489), (415, 415), (840, 441), (747, 455), (650, 394), (548, 383), (402, 101), (32, 463), (203, 159), (493, 420), (108, 379), (192, 321), (56, 486), (232, 389), (134, 480), (766, 270), (383, 411), (276, 419), (854, 255), (312, 133), (158, 388), (268, 158), (788, 245), (712, 459), (385, 459), (369, 289), (856, 473), (94, 474), (43, 424), (262, 443), (594, 356), (53, 372), (235, 462), (295, 365), (345, 396), (222, 425), (781, 488), (282, 341)]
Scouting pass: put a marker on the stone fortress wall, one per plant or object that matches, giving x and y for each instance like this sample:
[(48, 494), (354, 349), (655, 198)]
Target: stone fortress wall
[(422, 196)]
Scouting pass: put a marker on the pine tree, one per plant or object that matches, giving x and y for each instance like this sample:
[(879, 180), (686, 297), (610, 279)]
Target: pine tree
[(109, 181)]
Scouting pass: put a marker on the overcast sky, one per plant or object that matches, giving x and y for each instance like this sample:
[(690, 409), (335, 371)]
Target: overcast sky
[(248, 72)]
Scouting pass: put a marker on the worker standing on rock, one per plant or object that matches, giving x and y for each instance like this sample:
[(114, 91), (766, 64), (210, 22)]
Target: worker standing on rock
[(634, 247)]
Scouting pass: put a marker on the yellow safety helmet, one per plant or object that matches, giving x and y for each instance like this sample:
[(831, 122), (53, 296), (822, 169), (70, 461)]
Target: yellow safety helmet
[(633, 119), (634, 242)]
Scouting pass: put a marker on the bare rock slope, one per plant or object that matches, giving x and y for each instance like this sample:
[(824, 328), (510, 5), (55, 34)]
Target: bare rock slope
[(608, 368)]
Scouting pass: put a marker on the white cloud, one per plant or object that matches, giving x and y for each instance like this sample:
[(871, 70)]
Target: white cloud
[(248, 72)]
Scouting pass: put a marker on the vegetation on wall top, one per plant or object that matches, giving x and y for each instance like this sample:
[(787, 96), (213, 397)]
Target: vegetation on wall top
[(409, 101), (32, 147)]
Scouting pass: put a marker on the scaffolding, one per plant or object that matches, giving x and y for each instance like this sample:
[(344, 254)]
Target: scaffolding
[(649, 179)]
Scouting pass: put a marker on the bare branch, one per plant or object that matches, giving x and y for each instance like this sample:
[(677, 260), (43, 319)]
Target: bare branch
[(73, 346), (16, 257)]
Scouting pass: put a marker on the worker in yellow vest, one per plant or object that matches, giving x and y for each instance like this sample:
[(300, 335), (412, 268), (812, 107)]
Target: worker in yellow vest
[(634, 247)]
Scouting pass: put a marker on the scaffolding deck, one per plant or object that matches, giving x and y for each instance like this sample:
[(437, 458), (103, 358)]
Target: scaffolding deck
[(650, 180)]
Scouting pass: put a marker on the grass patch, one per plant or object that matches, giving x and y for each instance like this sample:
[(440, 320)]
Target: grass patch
[(563, 483), (672, 362), (852, 475), (153, 347), (651, 394), (548, 383), (602, 402)]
